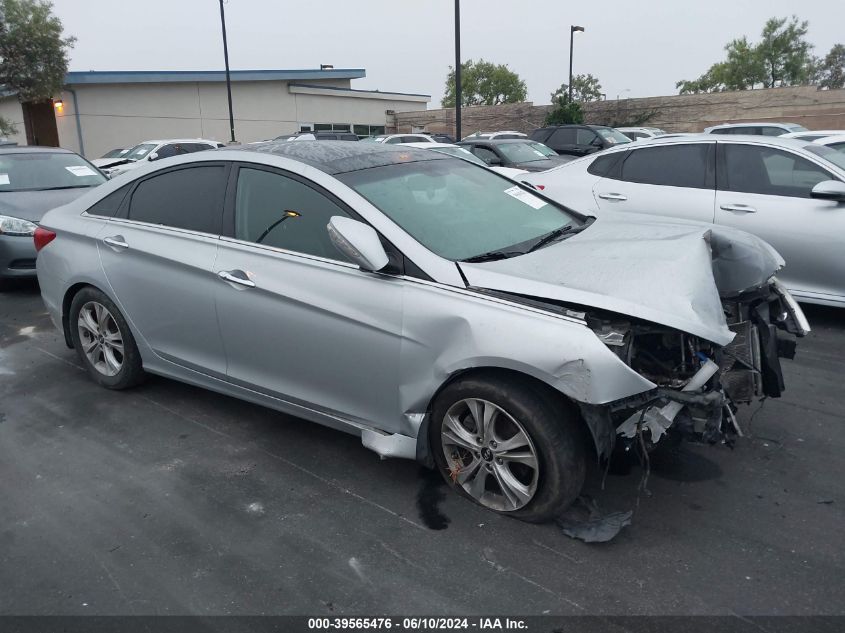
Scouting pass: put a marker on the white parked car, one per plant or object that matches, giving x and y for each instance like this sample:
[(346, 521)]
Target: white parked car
[(756, 129), (836, 142), (790, 193), (637, 133), (812, 135), (491, 135), (395, 139), (156, 150), (461, 152)]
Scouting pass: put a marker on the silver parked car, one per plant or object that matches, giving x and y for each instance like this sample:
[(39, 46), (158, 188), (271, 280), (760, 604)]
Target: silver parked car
[(433, 307), (790, 193), (34, 180)]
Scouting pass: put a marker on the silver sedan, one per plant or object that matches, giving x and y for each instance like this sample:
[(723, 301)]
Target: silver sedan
[(434, 308)]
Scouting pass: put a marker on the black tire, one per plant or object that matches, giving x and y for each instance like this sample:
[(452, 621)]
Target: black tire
[(551, 423), (131, 371)]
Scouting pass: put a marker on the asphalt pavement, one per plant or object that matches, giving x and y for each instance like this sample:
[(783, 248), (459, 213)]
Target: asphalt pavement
[(167, 499)]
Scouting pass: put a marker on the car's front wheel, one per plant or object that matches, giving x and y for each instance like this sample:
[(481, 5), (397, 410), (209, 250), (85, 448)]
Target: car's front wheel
[(103, 341), (509, 445)]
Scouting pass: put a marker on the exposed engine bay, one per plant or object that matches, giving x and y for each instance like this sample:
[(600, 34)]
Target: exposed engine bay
[(700, 385)]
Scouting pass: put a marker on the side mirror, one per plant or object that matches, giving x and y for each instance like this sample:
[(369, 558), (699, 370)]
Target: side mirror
[(359, 242), (153, 156), (832, 190), (596, 142), (495, 161)]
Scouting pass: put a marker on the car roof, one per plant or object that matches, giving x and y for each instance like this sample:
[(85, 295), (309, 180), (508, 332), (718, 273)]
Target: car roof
[(31, 149), (426, 145), (776, 141), (822, 133), (826, 140), (338, 157), (498, 141), (785, 126), (175, 140)]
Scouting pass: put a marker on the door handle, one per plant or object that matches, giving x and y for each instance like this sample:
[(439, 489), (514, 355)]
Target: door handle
[(228, 275), (613, 196), (740, 208), (116, 242)]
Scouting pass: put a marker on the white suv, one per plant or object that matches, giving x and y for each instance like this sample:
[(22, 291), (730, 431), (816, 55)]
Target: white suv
[(154, 150)]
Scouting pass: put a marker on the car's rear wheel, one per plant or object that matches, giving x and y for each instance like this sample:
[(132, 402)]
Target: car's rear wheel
[(103, 341), (509, 445)]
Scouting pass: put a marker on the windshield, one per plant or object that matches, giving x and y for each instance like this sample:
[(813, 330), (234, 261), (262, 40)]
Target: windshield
[(373, 139), (612, 135), (139, 151), (457, 210), (42, 171), (545, 150), (115, 153), (460, 152), (521, 153), (835, 156)]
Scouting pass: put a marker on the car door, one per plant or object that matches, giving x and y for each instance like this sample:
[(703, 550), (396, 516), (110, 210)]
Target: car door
[(676, 180), (766, 191), (299, 321), (158, 256)]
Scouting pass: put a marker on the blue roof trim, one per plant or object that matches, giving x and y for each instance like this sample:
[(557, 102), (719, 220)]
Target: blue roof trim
[(191, 76), (381, 92)]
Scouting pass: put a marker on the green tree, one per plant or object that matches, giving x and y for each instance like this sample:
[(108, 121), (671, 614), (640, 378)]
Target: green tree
[(781, 58), (831, 70), (584, 88), (33, 53), (484, 83), (564, 111)]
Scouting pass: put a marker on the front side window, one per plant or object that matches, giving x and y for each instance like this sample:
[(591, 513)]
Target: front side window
[(42, 171), (487, 155), (279, 211), (455, 209), (769, 171), (189, 199), (585, 136), (683, 165)]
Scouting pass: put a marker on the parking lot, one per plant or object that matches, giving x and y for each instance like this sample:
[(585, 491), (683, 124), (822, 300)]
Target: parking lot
[(167, 499)]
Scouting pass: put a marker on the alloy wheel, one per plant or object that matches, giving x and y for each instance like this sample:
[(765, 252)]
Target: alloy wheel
[(489, 454), (100, 338)]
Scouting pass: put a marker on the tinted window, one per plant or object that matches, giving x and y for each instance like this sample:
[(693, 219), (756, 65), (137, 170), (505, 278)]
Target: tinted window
[(754, 169), (166, 151), (602, 165), (186, 198), (108, 206), (487, 155), (394, 140), (671, 165), (635, 135), (772, 131), (282, 212), (584, 136), (195, 147), (563, 136)]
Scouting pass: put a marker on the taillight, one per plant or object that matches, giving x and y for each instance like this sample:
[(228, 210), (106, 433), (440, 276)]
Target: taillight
[(540, 187), (42, 237)]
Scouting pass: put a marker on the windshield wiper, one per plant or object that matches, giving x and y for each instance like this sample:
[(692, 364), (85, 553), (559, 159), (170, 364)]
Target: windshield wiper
[(549, 237), (65, 187), (491, 256)]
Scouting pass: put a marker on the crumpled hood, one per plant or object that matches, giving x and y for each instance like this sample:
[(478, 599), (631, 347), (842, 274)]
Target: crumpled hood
[(32, 205), (665, 272)]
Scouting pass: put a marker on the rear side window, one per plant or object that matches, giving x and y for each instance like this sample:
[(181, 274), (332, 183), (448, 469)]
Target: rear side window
[(670, 165), (563, 136), (189, 199), (604, 165), (108, 206), (773, 131)]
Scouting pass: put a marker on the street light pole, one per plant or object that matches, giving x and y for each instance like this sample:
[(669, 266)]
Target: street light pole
[(228, 78), (572, 30), (458, 69)]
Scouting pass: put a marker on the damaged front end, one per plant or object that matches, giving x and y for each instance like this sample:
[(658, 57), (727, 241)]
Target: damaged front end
[(700, 384)]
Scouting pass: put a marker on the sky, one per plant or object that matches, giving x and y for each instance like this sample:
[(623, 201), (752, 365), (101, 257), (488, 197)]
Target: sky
[(636, 49)]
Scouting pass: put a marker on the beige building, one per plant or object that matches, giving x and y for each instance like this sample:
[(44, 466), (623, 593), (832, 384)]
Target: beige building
[(99, 111)]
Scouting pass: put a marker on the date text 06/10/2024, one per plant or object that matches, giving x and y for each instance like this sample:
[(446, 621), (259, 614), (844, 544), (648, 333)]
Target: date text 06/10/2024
[(417, 624)]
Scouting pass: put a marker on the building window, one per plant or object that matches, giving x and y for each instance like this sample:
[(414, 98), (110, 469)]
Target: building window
[(363, 130)]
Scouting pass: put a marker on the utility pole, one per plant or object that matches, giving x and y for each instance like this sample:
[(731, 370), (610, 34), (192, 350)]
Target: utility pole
[(458, 70), (228, 78), (572, 30)]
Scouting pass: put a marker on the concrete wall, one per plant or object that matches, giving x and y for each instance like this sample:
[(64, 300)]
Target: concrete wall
[(121, 115), (10, 109), (805, 105)]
